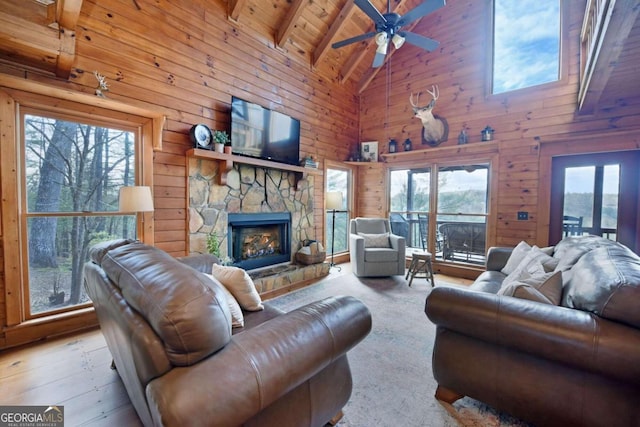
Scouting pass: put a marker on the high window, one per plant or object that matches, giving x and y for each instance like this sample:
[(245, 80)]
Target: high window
[(526, 44)]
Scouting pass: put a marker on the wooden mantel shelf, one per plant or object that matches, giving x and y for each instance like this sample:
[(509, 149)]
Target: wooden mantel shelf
[(226, 162), (440, 152)]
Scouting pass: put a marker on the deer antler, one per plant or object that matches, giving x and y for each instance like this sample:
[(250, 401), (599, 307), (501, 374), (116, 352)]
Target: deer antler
[(434, 92), (414, 104)]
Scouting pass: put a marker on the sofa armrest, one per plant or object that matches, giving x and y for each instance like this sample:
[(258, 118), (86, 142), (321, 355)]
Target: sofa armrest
[(573, 337), (260, 365), (497, 257)]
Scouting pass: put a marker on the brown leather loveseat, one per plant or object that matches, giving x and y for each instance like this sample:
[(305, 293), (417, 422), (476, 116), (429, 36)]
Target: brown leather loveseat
[(168, 327), (568, 356)]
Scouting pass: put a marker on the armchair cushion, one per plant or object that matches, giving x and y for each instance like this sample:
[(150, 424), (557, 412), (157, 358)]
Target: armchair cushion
[(376, 240)]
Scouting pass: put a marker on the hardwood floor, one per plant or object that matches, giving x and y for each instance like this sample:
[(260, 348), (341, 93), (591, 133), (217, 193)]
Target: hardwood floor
[(74, 371)]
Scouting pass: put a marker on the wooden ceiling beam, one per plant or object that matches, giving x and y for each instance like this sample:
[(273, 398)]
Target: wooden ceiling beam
[(68, 14), (325, 44), (235, 8), (290, 21)]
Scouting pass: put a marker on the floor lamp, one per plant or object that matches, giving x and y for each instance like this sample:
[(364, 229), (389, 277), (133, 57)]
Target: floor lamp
[(135, 199), (333, 201)]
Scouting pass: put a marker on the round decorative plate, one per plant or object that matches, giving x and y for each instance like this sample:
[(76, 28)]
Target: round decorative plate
[(200, 136)]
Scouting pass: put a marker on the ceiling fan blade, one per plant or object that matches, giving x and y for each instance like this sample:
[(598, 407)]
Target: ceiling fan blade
[(355, 39), (378, 60), (419, 11), (371, 11), (420, 41)]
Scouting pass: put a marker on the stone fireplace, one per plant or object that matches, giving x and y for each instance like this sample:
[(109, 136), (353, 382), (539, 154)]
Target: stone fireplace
[(259, 239), (253, 192)]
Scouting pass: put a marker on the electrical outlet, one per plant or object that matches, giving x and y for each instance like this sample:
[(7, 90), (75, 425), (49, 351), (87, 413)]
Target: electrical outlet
[(523, 216)]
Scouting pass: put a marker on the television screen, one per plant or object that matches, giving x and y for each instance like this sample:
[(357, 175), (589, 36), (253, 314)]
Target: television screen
[(259, 132)]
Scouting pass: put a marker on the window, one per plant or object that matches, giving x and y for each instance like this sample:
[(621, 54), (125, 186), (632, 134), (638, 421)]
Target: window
[(526, 44), (338, 180), (597, 194), (444, 212), (73, 170), (409, 210)]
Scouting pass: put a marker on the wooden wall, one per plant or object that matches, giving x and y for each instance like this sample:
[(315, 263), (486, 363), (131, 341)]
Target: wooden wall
[(523, 121), (185, 59)]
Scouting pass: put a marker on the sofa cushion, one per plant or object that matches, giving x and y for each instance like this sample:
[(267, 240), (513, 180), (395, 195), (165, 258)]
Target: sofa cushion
[(380, 255), (190, 317), (99, 250), (237, 318), (606, 281), (516, 257), (536, 262), (376, 240), (546, 288), (238, 282)]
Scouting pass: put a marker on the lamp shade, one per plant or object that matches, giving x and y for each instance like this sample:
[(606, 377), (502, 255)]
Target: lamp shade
[(135, 199), (333, 200)]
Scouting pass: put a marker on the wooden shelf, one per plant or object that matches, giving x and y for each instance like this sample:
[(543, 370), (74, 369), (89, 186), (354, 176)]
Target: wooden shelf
[(440, 152), (226, 162)]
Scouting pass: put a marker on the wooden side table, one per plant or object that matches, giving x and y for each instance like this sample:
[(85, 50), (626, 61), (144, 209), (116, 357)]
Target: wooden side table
[(421, 264)]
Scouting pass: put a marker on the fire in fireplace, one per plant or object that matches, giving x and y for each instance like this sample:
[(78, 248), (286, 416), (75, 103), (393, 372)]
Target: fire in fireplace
[(259, 239)]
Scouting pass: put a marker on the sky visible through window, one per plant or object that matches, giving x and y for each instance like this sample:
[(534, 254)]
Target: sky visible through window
[(526, 43)]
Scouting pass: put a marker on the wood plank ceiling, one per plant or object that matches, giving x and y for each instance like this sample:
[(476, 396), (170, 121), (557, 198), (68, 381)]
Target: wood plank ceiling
[(41, 34)]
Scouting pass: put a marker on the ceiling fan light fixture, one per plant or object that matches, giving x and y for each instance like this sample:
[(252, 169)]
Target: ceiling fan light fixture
[(397, 41), (382, 40)]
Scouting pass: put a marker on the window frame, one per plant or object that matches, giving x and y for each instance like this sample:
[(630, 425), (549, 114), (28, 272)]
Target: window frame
[(329, 164), (15, 95), (433, 160), (24, 213), (563, 75)]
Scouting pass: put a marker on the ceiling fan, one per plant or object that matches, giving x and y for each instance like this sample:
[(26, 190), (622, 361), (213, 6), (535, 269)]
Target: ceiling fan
[(388, 27)]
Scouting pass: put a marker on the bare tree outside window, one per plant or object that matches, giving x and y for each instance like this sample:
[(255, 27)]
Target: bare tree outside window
[(73, 172)]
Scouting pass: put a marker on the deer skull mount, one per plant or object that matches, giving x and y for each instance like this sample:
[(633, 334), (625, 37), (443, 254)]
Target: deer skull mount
[(435, 129)]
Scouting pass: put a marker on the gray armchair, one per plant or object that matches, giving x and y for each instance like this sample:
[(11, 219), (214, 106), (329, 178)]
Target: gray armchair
[(375, 251)]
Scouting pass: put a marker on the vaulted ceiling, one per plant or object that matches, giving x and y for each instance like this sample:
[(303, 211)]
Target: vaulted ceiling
[(307, 29), (40, 34)]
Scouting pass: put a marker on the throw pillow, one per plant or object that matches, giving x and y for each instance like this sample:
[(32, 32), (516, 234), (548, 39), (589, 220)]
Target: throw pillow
[(546, 288), (237, 318), (516, 257), (238, 282), (534, 263), (376, 240)]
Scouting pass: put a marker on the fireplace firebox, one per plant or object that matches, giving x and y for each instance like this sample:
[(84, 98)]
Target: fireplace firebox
[(259, 239)]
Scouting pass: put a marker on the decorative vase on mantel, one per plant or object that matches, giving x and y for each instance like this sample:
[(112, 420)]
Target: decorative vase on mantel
[(220, 139)]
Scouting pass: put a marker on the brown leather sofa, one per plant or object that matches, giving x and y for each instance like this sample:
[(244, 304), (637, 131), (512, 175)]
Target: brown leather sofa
[(169, 330), (572, 364)]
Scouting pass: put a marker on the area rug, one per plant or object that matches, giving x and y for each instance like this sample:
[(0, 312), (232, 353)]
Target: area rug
[(392, 380)]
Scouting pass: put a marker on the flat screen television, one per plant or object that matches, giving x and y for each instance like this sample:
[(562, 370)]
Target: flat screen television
[(259, 132)]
